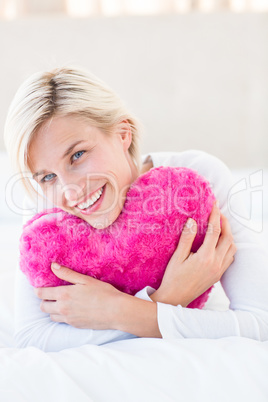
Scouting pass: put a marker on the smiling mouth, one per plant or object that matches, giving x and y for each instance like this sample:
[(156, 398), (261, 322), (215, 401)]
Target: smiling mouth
[(91, 201)]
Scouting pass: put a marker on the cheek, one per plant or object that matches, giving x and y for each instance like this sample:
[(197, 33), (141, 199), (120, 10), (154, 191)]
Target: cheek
[(54, 195), (103, 167), (92, 166)]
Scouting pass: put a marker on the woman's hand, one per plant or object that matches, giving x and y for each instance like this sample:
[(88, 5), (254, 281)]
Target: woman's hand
[(88, 303), (91, 303), (188, 274)]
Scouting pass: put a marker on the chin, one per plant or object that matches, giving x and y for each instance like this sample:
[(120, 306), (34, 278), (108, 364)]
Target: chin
[(103, 221)]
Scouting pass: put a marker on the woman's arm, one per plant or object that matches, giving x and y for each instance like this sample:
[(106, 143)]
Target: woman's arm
[(33, 327), (245, 283), (81, 306), (90, 303), (189, 274)]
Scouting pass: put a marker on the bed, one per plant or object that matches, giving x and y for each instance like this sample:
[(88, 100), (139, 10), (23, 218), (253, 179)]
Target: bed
[(227, 369)]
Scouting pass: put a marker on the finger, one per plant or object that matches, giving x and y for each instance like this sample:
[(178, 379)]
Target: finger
[(186, 240), (68, 274), (226, 238), (228, 258), (49, 307), (49, 293), (53, 293), (213, 230), (58, 318)]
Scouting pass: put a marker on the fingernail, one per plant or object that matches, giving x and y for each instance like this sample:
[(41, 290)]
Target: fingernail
[(55, 265), (190, 223), (217, 204)]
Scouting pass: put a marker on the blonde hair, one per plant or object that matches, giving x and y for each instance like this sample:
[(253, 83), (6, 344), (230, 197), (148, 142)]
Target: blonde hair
[(63, 91)]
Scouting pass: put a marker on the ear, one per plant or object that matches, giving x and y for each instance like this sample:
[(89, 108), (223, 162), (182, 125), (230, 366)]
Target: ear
[(124, 130)]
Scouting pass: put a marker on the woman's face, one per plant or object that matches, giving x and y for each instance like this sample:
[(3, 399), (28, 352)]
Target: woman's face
[(83, 170)]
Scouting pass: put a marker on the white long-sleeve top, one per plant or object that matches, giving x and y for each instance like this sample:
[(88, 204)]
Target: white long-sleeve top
[(245, 283)]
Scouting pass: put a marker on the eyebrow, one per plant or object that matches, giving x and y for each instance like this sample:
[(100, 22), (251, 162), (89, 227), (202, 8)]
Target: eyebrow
[(66, 153), (71, 147)]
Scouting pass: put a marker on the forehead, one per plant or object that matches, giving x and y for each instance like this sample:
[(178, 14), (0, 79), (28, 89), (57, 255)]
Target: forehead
[(54, 137), (60, 129)]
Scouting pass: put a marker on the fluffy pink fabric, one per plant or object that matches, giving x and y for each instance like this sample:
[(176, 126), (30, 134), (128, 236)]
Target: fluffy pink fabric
[(132, 252)]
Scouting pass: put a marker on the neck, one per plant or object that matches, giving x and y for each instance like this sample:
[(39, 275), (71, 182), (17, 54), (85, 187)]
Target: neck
[(136, 172)]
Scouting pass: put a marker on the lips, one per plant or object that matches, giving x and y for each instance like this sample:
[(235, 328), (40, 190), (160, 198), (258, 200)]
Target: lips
[(92, 202)]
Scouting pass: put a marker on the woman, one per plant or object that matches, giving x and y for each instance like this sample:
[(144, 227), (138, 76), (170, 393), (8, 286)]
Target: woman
[(81, 145)]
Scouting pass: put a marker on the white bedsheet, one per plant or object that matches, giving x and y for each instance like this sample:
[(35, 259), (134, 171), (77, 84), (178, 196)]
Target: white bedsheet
[(230, 369), (227, 370)]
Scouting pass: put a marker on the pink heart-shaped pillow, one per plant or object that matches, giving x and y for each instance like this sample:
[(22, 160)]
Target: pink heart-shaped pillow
[(132, 252)]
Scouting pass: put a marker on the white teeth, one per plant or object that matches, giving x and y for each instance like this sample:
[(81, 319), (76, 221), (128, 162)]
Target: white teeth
[(91, 200)]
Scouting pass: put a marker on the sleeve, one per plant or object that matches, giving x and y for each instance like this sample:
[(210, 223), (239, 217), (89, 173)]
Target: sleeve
[(245, 282), (35, 328)]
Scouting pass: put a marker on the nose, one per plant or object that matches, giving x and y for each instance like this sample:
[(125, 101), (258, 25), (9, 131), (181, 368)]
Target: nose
[(71, 193)]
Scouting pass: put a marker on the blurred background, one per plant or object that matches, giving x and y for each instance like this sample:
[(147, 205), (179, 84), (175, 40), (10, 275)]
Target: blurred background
[(195, 72)]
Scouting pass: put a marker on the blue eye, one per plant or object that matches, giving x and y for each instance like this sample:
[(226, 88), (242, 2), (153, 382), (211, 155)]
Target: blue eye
[(77, 155), (48, 177)]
